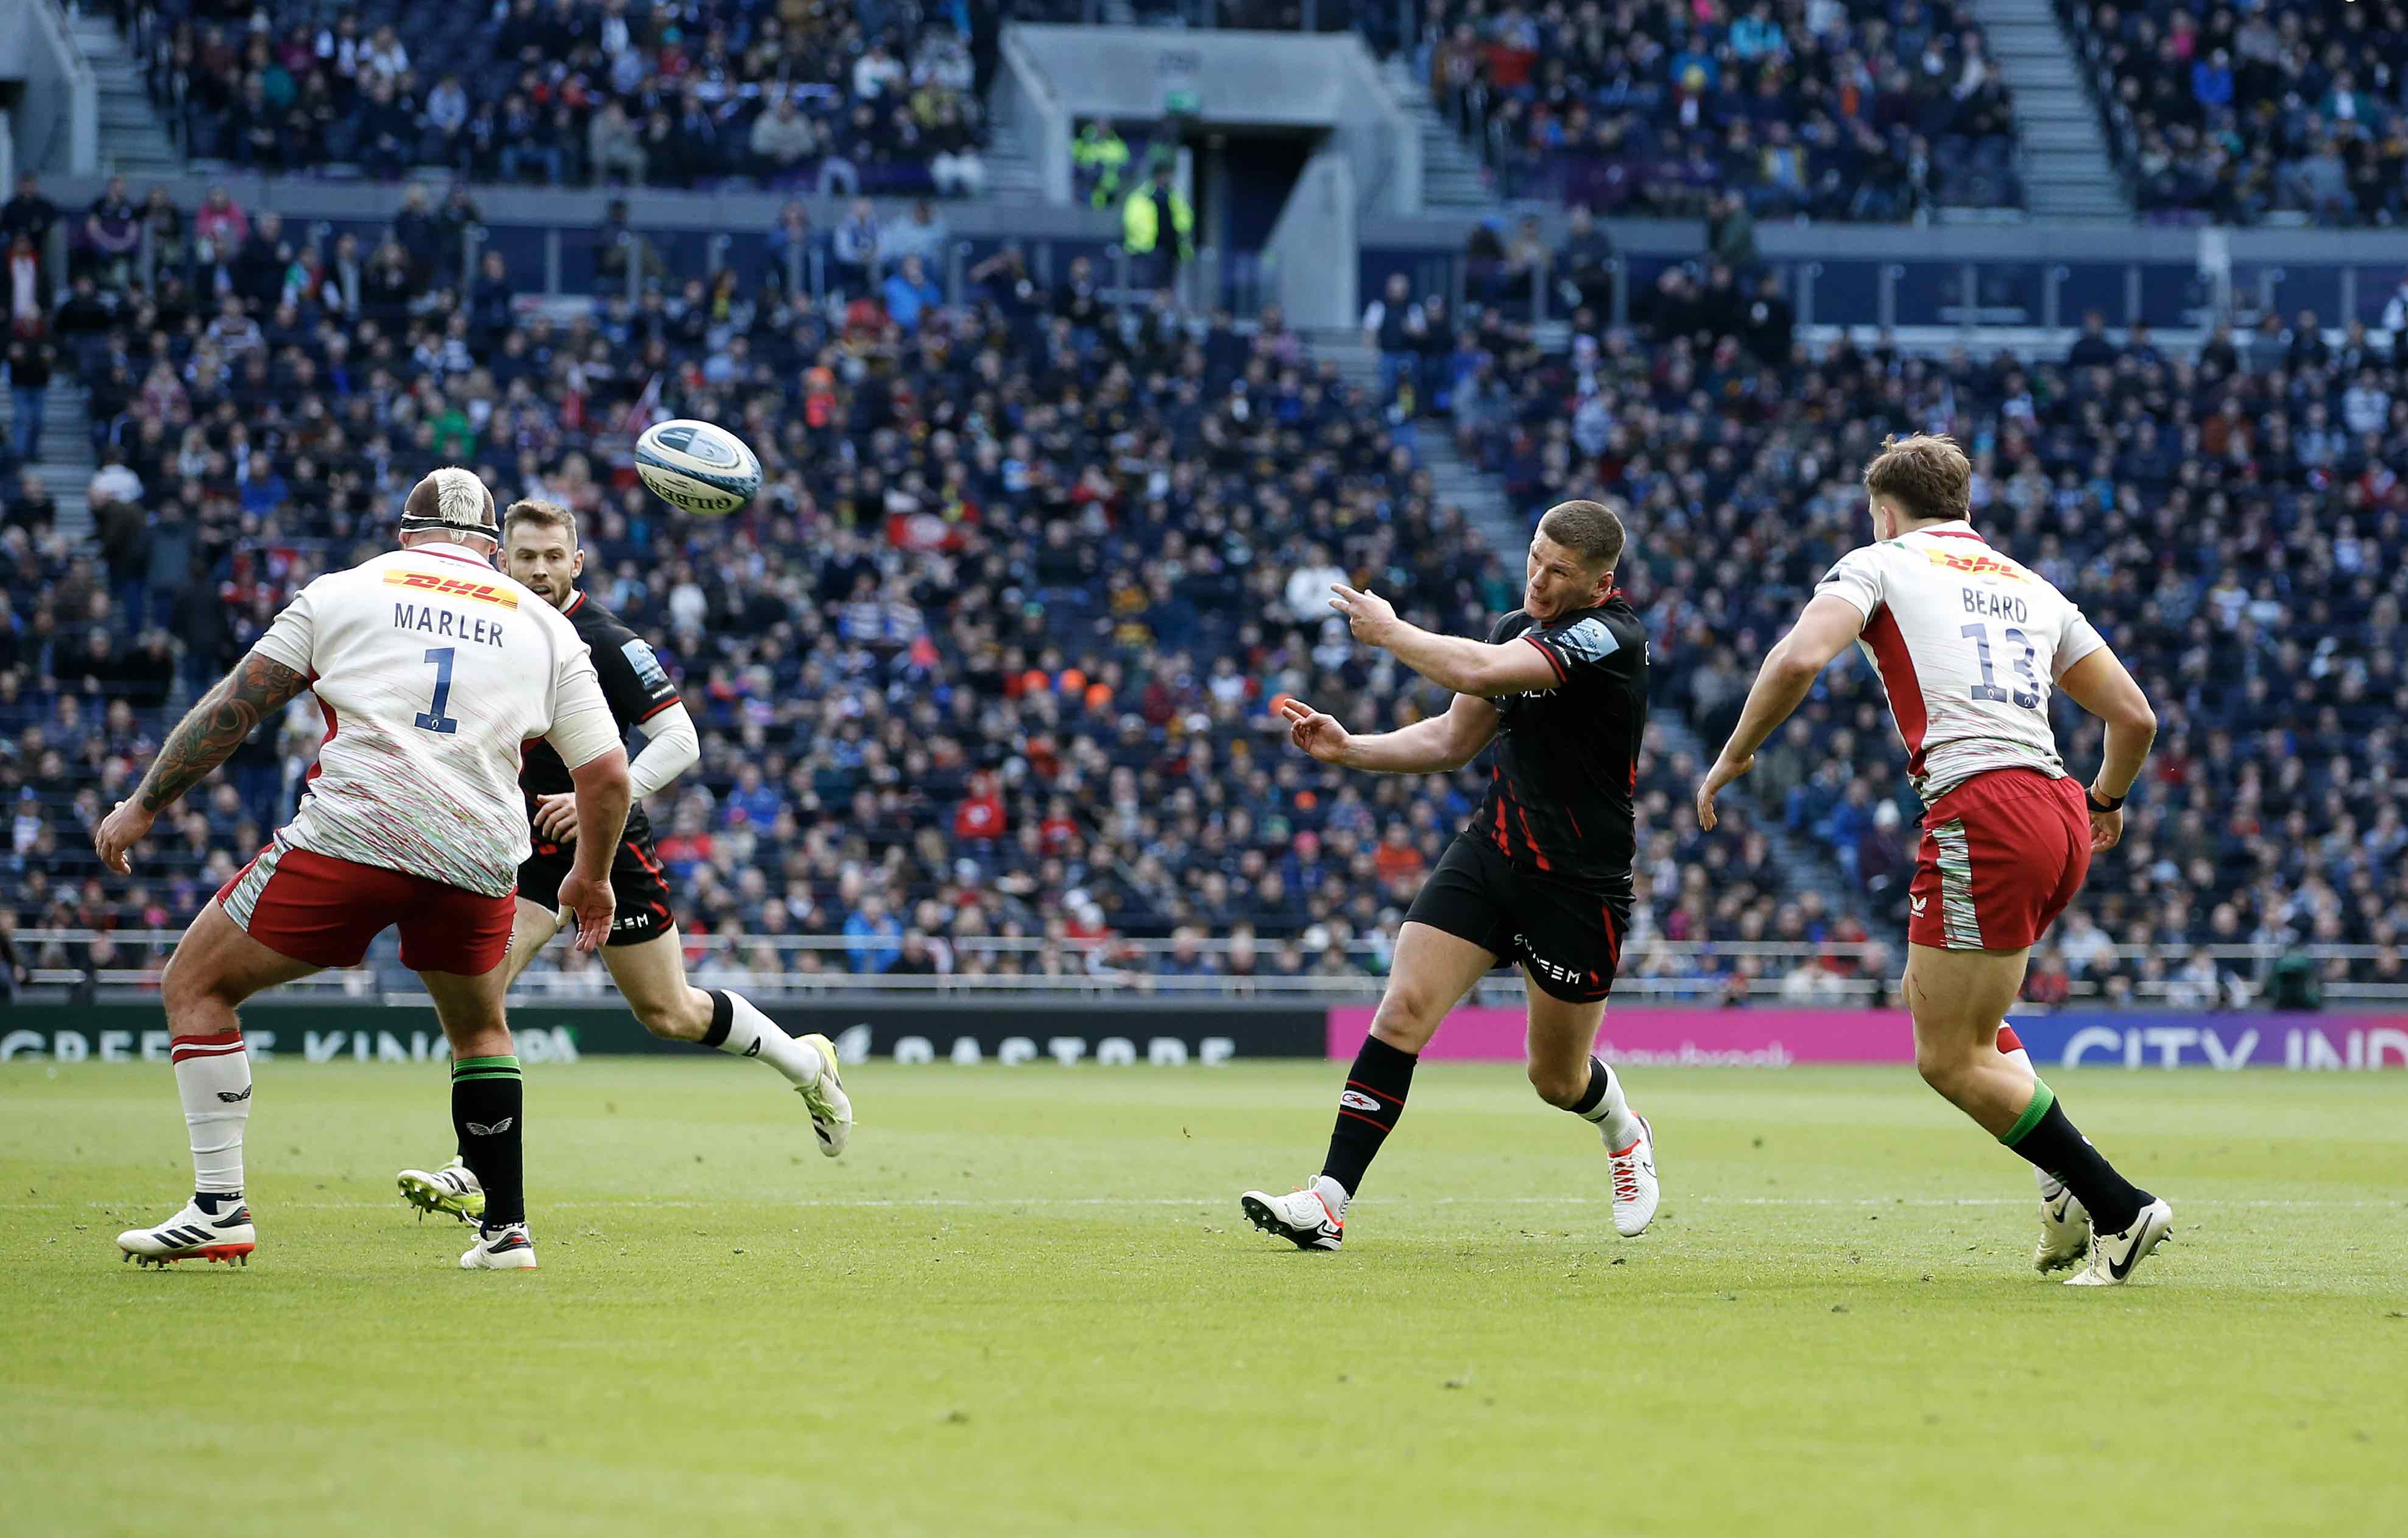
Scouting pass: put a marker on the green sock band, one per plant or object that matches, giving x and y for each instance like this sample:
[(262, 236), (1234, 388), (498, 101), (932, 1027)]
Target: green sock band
[(2042, 1097), (484, 1068)]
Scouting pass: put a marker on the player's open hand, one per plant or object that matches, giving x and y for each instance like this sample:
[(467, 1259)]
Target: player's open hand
[(125, 825), (1371, 617), (593, 906), (1316, 733), (555, 816), (1722, 774)]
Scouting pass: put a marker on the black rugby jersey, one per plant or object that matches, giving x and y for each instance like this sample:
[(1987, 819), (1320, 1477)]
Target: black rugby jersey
[(1565, 765), (632, 681)]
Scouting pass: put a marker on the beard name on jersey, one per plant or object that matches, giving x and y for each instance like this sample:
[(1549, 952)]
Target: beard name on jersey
[(2003, 606)]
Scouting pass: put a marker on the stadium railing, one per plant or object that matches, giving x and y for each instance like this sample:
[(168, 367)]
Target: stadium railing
[(1653, 970)]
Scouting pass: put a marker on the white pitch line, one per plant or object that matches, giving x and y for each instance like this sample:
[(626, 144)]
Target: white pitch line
[(874, 1203)]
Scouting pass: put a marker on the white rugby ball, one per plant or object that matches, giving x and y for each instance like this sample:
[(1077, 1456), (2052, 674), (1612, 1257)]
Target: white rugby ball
[(703, 468)]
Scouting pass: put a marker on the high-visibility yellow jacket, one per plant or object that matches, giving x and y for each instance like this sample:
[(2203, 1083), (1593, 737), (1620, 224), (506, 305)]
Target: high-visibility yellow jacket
[(1104, 154), (1141, 222)]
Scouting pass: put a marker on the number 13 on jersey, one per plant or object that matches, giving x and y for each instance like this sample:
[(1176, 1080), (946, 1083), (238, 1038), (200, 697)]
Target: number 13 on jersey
[(1978, 634)]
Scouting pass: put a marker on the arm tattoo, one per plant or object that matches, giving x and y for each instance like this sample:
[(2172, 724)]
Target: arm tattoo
[(216, 726)]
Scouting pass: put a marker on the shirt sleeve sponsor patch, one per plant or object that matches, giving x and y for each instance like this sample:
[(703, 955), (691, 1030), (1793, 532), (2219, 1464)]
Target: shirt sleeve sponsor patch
[(649, 671), (1590, 640)]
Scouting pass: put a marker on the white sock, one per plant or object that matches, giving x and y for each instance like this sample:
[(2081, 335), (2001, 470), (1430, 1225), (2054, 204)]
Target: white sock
[(1613, 1112), (1333, 1196), (750, 1033), (213, 1080)]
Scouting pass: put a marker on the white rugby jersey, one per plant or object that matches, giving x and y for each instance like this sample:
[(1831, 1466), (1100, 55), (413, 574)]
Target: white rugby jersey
[(1967, 644), (432, 668)]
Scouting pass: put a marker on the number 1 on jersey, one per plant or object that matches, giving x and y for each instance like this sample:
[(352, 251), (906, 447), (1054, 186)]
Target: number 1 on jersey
[(432, 719), (1989, 688)]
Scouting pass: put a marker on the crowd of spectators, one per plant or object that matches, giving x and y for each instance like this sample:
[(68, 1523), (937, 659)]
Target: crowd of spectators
[(992, 654), (883, 98), (2247, 114), (1863, 109), (993, 651), (2231, 520)]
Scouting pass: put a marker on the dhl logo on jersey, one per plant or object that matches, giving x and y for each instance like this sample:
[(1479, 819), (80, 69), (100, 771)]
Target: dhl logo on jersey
[(452, 587), (1982, 564)]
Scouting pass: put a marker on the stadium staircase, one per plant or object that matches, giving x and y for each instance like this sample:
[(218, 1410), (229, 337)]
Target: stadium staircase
[(1011, 174), (2067, 173), (133, 142), (1452, 178), (1804, 866), (1456, 480), (66, 463)]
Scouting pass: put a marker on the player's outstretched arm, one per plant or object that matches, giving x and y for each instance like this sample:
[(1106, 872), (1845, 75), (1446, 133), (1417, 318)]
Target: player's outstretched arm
[(1451, 661), (1829, 626), (208, 735), (2101, 684), (1441, 742)]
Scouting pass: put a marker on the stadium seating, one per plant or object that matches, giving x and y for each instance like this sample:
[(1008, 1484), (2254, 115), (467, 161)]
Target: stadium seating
[(2231, 523), (2285, 111), (993, 654), (880, 99), (1863, 109)]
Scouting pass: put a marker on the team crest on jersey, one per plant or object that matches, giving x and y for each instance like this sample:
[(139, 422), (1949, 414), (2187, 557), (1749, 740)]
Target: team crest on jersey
[(453, 587), (1981, 564)]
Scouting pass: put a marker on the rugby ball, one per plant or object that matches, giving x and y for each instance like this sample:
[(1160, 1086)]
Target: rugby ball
[(693, 465)]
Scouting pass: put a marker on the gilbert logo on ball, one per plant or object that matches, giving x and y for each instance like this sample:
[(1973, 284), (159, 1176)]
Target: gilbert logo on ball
[(699, 466)]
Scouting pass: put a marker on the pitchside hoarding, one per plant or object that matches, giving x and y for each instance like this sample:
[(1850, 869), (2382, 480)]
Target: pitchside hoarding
[(1776, 1038), (1167, 1036)]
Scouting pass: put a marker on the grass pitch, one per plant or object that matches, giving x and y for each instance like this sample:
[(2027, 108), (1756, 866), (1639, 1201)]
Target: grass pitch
[(1025, 1302)]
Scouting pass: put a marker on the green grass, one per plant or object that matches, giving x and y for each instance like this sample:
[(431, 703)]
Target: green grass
[(1025, 1304)]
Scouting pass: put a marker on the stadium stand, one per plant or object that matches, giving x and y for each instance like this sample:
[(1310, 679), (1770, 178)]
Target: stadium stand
[(2229, 520), (2279, 113), (1861, 110), (992, 657), (880, 99)]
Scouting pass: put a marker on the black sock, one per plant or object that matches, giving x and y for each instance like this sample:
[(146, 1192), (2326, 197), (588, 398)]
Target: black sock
[(2044, 1136), (723, 1015), (1368, 1108), (1600, 1079), (208, 1201), (488, 1104)]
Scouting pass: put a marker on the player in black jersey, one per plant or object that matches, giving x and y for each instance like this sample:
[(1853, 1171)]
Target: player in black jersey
[(540, 549), (1541, 873)]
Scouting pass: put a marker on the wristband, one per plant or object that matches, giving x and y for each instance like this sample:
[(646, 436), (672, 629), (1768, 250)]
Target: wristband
[(2105, 803)]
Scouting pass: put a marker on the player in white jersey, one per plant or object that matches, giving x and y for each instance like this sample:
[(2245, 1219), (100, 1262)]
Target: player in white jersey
[(432, 670), (1969, 645)]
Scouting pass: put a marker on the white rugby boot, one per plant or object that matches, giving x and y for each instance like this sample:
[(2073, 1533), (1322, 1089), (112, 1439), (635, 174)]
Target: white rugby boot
[(453, 1190), (824, 1098), (503, 1248), (226, 1234), (2114, 1257), (2064, 1227), (1634, 1190), (1313, 1218)]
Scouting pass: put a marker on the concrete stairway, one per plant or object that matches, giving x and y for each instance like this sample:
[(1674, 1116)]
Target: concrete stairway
[(134, 141), (2066, 171), (66, 463), (1455, 480), (1452, 174), (1010, 169)]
